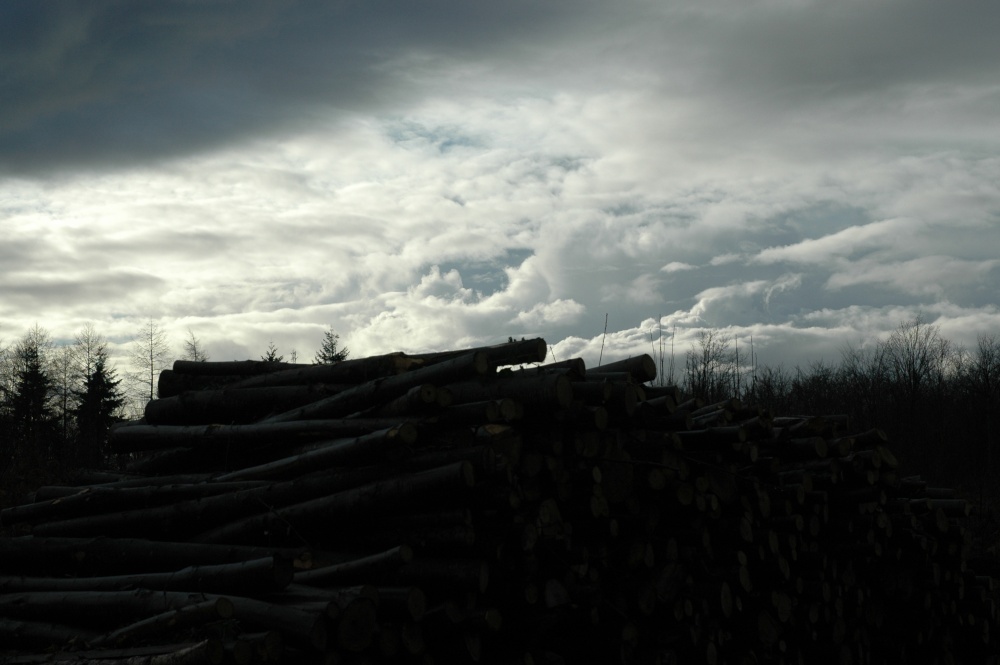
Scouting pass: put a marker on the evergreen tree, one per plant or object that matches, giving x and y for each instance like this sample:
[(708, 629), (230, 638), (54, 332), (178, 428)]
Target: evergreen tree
[(97, 409), (330, 352), (272, 354), (30, 408)]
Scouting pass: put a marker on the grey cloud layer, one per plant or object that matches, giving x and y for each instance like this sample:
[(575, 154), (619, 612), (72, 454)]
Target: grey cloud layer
[(798, 171), (115, 82)]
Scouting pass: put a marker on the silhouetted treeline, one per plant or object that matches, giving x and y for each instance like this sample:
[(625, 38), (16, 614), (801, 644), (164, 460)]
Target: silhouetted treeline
[(939, 403), (58, 402)]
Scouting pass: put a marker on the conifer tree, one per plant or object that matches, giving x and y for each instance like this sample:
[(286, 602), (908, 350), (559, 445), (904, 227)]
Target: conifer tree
[(272, 354), (97, 409), (30, 406), (330, 352)]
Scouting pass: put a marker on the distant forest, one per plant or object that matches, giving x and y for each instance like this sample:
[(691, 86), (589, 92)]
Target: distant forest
[(58, 402), (938, 402)]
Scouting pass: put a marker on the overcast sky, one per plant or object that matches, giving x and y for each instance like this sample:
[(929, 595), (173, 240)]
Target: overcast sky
[(437, 174)]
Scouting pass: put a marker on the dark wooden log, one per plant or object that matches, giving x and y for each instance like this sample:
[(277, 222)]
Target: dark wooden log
[(574, 368), (29, 555), (408, 602), (540, 394), (205, 652), (252, 577), (518, 352), (41, 634), (233, 367), (361, 503), (641, 368), (94, 608), (302, 629), (55, 491), (357, 570), (445, 575), (234, 406), (161, 626), (171, 383), (99, 499), (478, 413), (382, 390), (323, 455), (355, 370), (137, 438), (419, 399), (185, 518)]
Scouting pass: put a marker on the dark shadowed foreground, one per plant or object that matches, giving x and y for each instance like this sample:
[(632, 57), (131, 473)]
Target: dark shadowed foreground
[(477, 506)]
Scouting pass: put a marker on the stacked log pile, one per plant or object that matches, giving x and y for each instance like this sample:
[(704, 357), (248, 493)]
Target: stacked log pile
[(479, 506)]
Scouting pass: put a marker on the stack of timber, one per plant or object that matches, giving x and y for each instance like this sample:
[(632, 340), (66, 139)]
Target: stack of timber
[(480, 506)]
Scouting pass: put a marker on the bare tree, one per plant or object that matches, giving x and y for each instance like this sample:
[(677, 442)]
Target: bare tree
[(193, 349), (711, 366), (864, 374), (150, 354), (65, 380), (916, 359), (88, 346)]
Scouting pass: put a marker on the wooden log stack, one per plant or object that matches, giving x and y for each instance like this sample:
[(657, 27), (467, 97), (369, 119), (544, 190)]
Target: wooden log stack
[(480, 506)]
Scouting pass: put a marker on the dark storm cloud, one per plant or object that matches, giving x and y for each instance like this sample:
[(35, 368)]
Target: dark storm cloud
[(116, 82), (815, 50)]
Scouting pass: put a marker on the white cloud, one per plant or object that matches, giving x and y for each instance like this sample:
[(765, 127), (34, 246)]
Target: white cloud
[(678, 266), (928, 275), (520, 176)]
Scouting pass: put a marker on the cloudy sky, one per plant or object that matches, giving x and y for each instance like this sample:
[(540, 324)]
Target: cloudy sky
[(430, 175)]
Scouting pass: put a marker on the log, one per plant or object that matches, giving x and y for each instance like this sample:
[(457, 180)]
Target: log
[(138, 438), (166, 623), (326, 454), (185, 518), (99, 499), (93, 608), (355, 370), (348, 506), (206, 652), (254, 576), (303, 629), (519, 352), (382, 390), (353, 572), (549, 391), (641, 368), (234, 406), (98, 556), (42, 634)]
